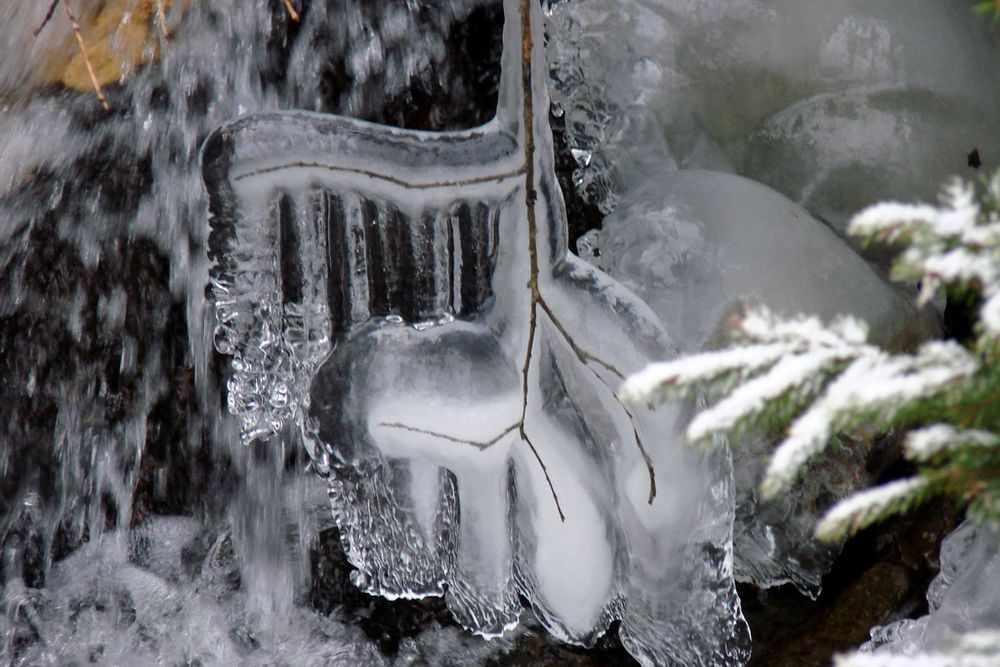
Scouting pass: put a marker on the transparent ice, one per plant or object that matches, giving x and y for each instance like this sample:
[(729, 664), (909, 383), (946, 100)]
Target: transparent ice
[(696, 245), (837, 105), (964, 600), (413, 295)]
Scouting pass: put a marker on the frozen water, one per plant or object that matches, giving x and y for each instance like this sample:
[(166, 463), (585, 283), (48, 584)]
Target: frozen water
[(837, 105), (696, 245), (608, 110), (964, 599), (412, 294), (111, 401), (838, 152)]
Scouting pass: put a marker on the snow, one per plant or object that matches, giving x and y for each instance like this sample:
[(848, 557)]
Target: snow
[(651, 383), (874, 384), (923, 444), (990, 315), (788, 375), (864, 507)]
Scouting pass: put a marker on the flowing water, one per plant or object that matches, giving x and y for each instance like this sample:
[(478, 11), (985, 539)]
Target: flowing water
[(112, 417)]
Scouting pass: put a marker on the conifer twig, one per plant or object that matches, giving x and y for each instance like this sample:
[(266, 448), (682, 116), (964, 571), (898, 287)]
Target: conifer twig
[(86, 57)]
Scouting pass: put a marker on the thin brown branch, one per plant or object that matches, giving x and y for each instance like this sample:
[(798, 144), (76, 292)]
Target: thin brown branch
[(584, 357), (161, 17), (449, 438), (645, 455), (294, 15), (527, 117), (545, 471), (525, 370), (86, 57), (48, 17), (581, 354)]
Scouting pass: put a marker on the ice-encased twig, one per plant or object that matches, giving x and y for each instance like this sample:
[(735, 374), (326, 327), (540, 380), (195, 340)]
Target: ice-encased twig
[(435, 305)]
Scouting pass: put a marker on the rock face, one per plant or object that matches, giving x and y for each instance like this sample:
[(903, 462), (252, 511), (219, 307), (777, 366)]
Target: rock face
[(120, 36), (964, 602)]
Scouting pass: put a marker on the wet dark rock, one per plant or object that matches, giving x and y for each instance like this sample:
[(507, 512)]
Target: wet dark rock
[(881, 576)]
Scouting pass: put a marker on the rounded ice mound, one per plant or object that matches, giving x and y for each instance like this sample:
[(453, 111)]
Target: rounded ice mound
[(697, 244), (844, 104), (837, 153), (835, 104)]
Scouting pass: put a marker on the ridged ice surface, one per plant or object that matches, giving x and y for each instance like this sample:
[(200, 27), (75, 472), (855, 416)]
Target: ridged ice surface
[(412, 295)]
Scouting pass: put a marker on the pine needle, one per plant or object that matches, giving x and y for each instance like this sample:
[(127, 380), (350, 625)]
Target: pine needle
[(86, 57), (291, 11)]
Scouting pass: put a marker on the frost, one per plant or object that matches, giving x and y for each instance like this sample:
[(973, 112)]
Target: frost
[(874, 383), (954, 243), (411, 296), (749, 398), (858, 510)]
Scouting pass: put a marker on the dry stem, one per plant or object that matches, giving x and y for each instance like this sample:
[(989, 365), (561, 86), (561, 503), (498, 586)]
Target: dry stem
[(291, 10), (86, 57)]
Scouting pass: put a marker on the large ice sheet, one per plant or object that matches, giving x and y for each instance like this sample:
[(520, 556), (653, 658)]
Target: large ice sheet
[(835, 104), (697, 244), (412, 294)]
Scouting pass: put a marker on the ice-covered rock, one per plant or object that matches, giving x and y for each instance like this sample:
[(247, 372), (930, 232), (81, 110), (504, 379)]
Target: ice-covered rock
[(839, 152), (413, 292), (964, 602), (836, 105), (697, 244)]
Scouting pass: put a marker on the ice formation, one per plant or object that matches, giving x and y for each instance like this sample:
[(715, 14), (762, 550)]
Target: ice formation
[(840, 104), (964, 603), (694, 244), (412, 294)]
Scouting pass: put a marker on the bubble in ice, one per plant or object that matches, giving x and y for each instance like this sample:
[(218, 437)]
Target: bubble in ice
[(485, 458)]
